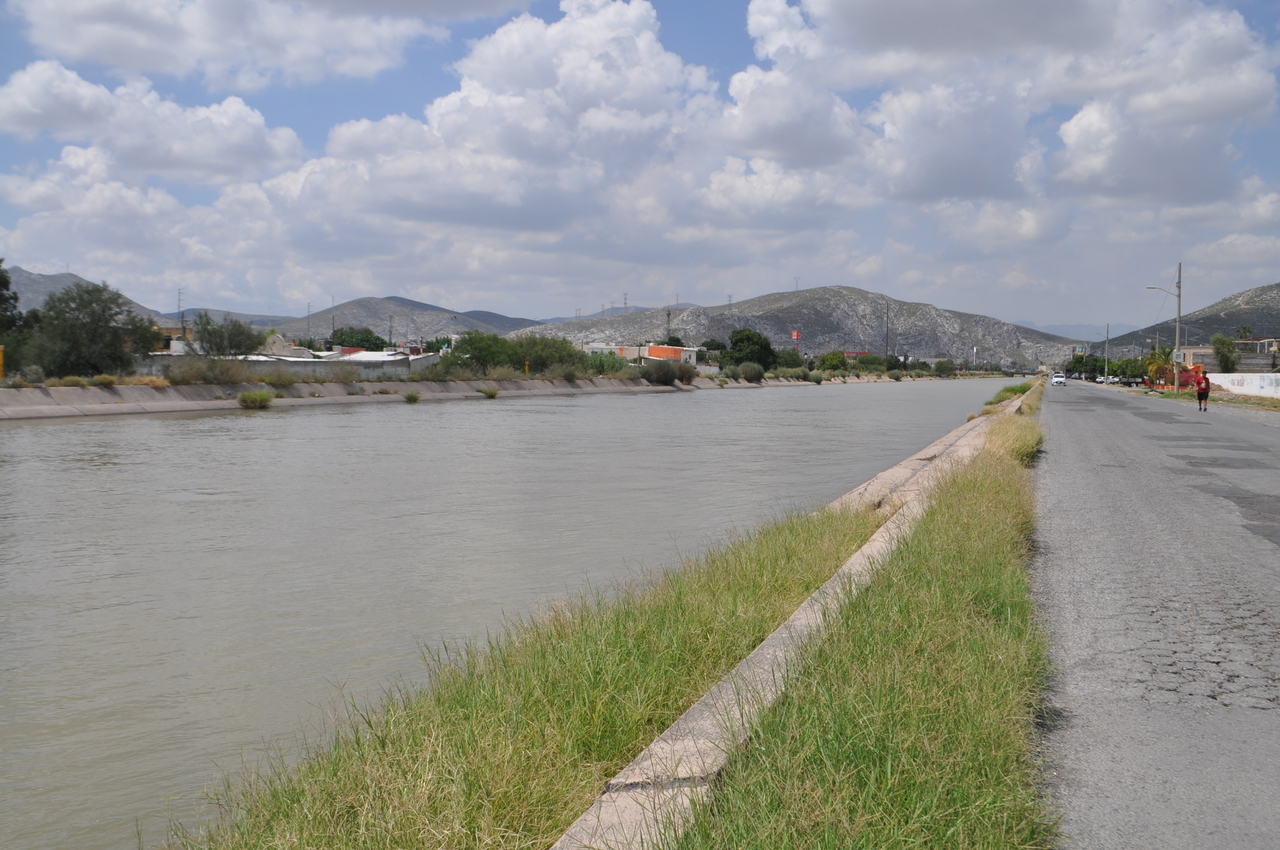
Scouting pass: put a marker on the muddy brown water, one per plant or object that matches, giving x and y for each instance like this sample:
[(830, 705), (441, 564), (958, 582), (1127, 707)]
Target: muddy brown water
[(181, 594)]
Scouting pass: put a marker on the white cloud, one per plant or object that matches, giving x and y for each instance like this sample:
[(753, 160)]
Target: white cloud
[(143, 134), (238, 45), (1239, 249), (987, 146)]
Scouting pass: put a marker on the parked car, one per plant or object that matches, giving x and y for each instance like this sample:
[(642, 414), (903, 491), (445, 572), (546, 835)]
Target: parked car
[(1099, 379), (1058, 379)]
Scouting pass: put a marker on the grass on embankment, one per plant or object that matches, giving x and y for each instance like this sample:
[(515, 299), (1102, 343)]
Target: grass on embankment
[(910, 721), (513, 740)]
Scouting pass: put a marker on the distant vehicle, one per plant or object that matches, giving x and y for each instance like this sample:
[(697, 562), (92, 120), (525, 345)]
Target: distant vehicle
[(1058, 380), (1114, 379), (1099, 379)]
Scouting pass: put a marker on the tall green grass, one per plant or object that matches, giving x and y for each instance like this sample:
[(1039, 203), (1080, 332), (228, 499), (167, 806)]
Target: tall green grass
[(910, 722), (515, 737)]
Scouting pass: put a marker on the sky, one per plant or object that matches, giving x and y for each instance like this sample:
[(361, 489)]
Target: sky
[(1033, 162)]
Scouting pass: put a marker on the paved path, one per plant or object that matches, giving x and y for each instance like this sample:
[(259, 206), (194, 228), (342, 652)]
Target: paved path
[(1159, 580)]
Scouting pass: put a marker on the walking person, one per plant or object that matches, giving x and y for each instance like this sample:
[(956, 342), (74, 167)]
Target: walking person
[(1202, 391)]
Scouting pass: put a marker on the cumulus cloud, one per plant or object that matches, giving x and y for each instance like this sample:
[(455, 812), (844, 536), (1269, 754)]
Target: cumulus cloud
[(241, 45), (142, 133), (873, 143)]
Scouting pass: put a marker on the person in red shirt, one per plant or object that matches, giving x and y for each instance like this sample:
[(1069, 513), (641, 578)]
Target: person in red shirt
[(1202, 391)]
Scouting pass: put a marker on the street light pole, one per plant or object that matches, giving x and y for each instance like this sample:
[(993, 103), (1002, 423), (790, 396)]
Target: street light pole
[(1177, 330)]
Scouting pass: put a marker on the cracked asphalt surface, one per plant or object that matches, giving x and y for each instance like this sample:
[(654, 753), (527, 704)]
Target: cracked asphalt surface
[(1158, 578)]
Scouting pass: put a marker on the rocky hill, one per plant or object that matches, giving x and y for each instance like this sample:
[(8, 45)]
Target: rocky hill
[(833, 318), (34, 288), (1258, 308), (400, 319)]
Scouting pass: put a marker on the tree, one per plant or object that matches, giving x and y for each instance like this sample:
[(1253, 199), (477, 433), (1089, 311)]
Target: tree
[(789, 358), (943, 368), (89, 329), (228, 338), (488, 350), (1159, 363), (542, 352), (1244, 333), (1224, 351), (10, 318), (713, 345), (675, 341), (833, 361), (359, 338), (748, 346)]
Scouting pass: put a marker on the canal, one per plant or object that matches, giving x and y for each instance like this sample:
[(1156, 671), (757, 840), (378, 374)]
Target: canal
[(182, 595)]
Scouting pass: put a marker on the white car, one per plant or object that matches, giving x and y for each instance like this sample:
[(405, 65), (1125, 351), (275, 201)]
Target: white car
[(1058, 379)]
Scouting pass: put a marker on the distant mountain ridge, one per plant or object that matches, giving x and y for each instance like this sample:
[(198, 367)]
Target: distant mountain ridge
[(1258, 308), (34, 288), (835, 318)]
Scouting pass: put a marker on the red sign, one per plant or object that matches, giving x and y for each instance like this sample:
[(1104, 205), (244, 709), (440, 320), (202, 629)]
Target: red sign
[(795, 335)]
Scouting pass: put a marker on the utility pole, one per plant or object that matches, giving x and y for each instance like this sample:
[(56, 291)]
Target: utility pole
[(1177, 330), (797, 284), (308, 320), (886, 332), (625, 309), (389, 320), (182, 317)]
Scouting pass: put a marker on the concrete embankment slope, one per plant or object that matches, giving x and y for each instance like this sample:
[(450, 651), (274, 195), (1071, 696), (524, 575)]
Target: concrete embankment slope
[(1159, 579), (73, 402)]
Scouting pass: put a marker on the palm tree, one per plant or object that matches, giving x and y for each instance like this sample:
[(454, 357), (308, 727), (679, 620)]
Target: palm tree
[(1245, 332), (1159, 365)]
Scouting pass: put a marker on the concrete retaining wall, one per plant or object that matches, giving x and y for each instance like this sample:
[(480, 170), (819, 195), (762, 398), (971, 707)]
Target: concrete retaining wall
[(1243, 383), (70, 402)]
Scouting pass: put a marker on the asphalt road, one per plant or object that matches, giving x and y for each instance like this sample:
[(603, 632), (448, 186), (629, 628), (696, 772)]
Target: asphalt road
[(1158, 577)]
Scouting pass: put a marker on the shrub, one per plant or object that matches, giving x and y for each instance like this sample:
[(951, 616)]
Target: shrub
[(544, 352), (895, 374), (412, 397), (733, 372), (664, 373), (752, 372), (504, 373), (105, 381), (626, 373), (724, 382), (255, 399), (815, 376), (646, 373), (832, 361), (789, 358), (605, 363), (279, 393), (279, 380), (488, 392), (73, 381), (686, 372), (33, 375), (154, 381), (562, 372)]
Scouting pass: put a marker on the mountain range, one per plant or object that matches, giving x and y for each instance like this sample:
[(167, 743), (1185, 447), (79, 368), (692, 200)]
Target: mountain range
[(827, 318), (1257, 308), (833, 318)]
